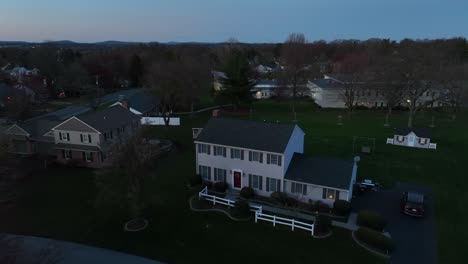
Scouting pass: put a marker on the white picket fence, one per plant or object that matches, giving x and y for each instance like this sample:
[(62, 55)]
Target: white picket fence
[(433, 145), (259, 214), (293, 223)]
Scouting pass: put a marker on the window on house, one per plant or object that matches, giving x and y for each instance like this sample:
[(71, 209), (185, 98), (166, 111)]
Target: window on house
[(369, 93), (88, 156), (237, 154), (123, 128), (256, 156), (219, 151), (256, 182), (67, 154), (400, 138), (105, 136), (86, 138), (422, 141), (299, 188), (110, 135), (204, 148), (64, 136), (273, 185), (205, 172), (274, 159), (219, 175), (330, 194)]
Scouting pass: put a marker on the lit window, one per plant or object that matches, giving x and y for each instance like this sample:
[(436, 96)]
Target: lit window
[(331, 194)]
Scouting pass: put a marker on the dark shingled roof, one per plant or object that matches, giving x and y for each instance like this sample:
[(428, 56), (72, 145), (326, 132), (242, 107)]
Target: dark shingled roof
[(320, 171), (420, 132), (108, 118), (272, 137)]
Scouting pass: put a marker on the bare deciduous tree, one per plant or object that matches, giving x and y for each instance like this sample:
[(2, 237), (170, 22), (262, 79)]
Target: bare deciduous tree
[(176, 84), (294, 75)]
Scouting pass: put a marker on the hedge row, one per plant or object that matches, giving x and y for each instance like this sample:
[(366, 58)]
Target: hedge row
[(371, 220), (374, 239)]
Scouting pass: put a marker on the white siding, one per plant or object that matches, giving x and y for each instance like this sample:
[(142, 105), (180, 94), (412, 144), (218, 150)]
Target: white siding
[(314, 193), (295, 145), (75, 138), (246, 166)]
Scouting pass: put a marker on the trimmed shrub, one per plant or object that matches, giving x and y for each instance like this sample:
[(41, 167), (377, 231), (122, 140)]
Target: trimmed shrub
[(195, 179), (375, 239), (371, 220), (247, 193), (322, 224), (283, 199), (322, 207), (220, 186), (342, 207), (207, 184), (241, 209)]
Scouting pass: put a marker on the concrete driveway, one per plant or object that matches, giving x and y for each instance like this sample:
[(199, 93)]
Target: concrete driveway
[(415, 238)]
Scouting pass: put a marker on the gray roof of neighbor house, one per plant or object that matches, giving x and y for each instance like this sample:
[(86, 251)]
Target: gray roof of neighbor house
[(143, 102), (420, 132), (272, 137), (321, 171), (108, 118), (39, 127)]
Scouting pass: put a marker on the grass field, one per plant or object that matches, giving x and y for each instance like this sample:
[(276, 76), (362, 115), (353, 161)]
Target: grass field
[(59, 203)]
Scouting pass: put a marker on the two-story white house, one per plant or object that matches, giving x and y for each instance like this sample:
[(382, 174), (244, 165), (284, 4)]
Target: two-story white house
[(268, 157)]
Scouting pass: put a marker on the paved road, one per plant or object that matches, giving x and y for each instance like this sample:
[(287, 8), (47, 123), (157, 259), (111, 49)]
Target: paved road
[(71, 253), (415, 238)]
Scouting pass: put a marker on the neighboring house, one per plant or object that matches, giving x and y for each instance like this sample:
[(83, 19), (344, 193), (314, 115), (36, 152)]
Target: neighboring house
[(262, 69), (141, 103), (89, 138), (218, 79), (269, 158), (78, 134), (412, 137), (264, 89)]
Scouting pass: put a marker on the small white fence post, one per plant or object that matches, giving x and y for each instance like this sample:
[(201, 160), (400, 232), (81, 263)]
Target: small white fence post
[(256, 215), (274, 220), (292, 227), (313, 227)]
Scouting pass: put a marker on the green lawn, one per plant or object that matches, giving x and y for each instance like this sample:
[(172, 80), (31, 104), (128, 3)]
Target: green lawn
[(59, 203)]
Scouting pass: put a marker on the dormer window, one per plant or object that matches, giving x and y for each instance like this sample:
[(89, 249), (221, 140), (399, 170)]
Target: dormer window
[(400, 138)]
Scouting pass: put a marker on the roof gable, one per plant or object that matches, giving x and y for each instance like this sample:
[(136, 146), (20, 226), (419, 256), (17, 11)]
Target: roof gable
[(75, 124), (109, 118), (271, 137), (16, 130), (419, 132)]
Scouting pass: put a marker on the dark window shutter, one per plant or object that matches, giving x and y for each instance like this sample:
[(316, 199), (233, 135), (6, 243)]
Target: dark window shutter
[(224, 152), (250, 180), (199, 169), (89, 138), (268, 158), (324, 193), (261, 157), (337, 193), (224, 175), (293, 187), (267, 184), (304, 190), (260, 178), (81, 137), (242, 154), (278, 185), (209, 149), (279, 160), (232, 153), (199, 148), (92, 156), (60, 135), (209, 173), (84, 156), (68, 136), (250, 155)]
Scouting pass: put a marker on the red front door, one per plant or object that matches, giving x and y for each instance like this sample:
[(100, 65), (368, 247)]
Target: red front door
[(237, 179)]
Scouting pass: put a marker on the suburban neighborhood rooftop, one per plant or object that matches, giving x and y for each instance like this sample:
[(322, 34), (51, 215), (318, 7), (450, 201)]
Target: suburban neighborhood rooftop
[(265, 136), (320, 171), (420, 132)]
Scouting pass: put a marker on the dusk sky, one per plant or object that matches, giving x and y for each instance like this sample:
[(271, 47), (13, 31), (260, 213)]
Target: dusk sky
[(218, 20)]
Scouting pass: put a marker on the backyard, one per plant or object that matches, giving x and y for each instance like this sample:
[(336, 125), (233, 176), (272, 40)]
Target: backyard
[(59, 203)]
